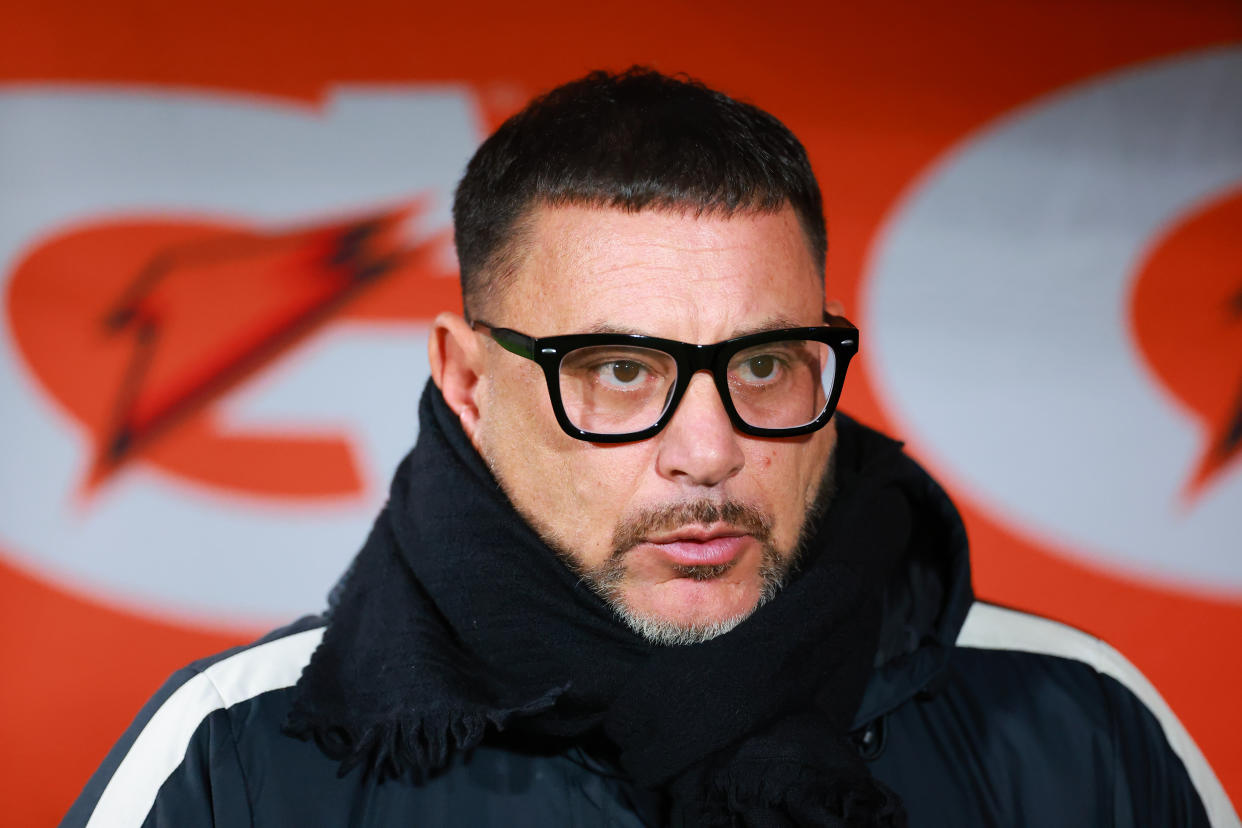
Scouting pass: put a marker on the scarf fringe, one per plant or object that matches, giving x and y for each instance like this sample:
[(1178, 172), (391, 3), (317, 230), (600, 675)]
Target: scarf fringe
[(415, 743)]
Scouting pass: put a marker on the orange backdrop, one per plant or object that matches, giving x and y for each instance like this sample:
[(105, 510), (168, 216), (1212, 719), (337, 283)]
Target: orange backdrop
[(879, 92)]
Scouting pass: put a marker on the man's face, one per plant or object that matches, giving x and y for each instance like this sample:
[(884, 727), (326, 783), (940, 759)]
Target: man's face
[(682, 532)]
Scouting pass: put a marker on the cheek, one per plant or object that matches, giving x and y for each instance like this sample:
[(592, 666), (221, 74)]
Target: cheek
[(516, 414), (573, 491), (789, 476), (605, 482), (775, 469), (520, 440)]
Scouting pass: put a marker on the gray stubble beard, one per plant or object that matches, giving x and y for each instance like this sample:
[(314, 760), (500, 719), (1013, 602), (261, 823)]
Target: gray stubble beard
[(606, 580), (775, 568)]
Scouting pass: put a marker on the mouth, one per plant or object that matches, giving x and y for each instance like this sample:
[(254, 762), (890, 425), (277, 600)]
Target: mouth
[(701, 546)]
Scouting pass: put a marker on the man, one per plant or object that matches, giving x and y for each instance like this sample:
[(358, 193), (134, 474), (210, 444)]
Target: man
[(635, 571)]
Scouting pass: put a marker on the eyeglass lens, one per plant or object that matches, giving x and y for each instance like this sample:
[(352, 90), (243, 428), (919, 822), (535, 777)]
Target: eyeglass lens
[(618, 389)]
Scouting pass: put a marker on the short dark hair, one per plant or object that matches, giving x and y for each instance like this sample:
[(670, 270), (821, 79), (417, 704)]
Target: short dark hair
[(633, 141)]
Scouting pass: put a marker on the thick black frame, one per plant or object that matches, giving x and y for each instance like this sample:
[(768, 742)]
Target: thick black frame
[(838, 333)]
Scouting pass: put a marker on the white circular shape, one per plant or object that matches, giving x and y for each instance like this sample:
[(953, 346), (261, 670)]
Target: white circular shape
[(996, 317)]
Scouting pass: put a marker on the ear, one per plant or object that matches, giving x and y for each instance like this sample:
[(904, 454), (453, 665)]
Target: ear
[(457, 360)]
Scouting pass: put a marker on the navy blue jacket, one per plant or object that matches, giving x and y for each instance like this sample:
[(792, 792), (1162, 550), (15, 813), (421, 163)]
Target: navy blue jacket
[(975, 714)]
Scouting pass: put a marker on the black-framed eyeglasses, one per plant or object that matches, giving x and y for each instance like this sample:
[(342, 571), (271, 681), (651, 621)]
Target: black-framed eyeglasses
[(618, 388)]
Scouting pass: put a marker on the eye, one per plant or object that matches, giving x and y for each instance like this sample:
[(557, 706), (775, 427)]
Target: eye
[(621, 373), (616, 369), (759, 368)]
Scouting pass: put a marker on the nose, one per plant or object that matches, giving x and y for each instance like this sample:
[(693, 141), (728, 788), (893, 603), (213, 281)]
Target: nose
[(699, 446)]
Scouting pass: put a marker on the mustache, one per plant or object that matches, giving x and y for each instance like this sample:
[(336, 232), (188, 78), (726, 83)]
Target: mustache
[(635, 529)]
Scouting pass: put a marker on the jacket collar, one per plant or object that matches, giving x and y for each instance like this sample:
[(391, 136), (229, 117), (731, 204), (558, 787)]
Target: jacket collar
[(926, 600)]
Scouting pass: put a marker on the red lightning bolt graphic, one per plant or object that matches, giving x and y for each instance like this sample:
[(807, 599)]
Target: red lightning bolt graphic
[(1187, 311), (137, 327), (266, 293), (1226, 443)]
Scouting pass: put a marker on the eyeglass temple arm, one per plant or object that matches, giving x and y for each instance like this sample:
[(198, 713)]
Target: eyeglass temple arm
[(510, 340), (836, 321)]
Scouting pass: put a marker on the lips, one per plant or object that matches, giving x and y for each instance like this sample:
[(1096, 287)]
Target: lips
[(701, 546)]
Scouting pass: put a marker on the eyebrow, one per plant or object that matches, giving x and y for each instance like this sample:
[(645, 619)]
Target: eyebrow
[(772, 323)]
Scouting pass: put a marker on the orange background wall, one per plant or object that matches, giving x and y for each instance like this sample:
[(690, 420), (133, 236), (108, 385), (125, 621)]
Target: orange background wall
[(877, 91)]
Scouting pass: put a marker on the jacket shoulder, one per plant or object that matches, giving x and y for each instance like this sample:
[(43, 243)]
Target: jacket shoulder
[(179, 721), (1036, 649)]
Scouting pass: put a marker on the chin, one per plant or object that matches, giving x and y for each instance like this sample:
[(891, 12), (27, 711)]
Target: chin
[(687, 611)]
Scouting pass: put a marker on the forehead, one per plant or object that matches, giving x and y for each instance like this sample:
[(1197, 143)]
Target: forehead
[(664, 273)]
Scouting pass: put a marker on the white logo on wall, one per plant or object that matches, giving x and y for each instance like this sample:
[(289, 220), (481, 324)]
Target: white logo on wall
[(161, 543), (997, 328)]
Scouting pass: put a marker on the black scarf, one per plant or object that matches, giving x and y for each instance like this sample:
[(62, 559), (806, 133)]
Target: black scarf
[(456, 619)]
